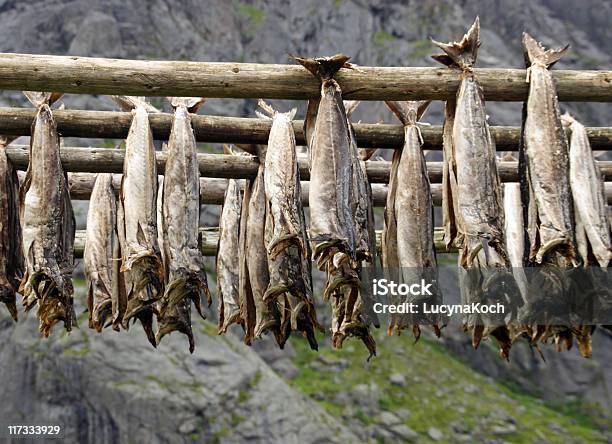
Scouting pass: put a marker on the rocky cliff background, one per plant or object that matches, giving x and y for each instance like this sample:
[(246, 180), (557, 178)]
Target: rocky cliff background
[(116, 388)]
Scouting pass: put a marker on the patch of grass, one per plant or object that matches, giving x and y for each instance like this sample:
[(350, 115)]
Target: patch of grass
[(381, 38), (440, 390), (252, 13)]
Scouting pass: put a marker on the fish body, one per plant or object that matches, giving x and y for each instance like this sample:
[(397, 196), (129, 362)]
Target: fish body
[(473, 192), (137, 224), (11, 251), (412, 212), (593, 233), (514, 228), (547, 156), (48, 226), (331, 163), (184, 265), (286, 239), (339, 214), (101, 242), (228, 261), (260, 315)]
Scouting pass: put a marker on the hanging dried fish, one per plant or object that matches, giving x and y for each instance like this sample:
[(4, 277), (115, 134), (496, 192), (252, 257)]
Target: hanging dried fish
[(409, 224), (589, 198), (228, 261), (473, 191), (547, 156), (514, 227), (101, 243), (333, 204), (550, 222), (286, 240), (137, 222), (11, 252), (259, 316), (593, 237), (48, 224), (360, 302), (184, 265)]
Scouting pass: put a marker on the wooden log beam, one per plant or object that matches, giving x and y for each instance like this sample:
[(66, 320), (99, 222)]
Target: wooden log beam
[(212, 191), (210, 240), (86, 75), (103, 160), (218, 129)]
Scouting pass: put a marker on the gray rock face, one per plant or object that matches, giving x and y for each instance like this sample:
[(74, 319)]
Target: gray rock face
[(116, 388)]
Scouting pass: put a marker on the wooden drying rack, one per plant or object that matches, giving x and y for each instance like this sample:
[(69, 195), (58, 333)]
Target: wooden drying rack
[(85, 75)]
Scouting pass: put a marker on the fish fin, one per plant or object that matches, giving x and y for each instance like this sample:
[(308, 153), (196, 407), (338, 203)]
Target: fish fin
[(268, 111), (128, 103), (350, 106), (227, 149), (39, 98), (192, 104), (536, 53), (324, 68), (408, 112), (462, 54)]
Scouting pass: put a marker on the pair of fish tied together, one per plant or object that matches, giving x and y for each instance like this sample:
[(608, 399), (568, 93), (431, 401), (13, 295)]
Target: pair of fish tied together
[(341, 214), (142, 253), (473, 216), (274, 282), (568, 229)]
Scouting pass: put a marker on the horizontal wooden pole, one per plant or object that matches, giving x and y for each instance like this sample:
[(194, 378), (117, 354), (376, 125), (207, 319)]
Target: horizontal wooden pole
[(210, 240), (106, 160), (218, 129), (212, 191), (85, 75)]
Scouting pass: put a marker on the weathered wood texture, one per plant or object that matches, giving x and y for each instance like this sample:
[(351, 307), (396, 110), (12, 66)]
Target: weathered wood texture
[(217, 129), (212, 191), (210, 240), (85, 75), (103, 160)]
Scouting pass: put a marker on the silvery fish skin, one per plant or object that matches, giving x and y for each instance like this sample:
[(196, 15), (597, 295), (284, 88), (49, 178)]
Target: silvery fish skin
[(479, 196), (11, 251), (589, 198), (475, 192), (259, 315), (333, 200), (359, 304), (185, 279), (413, 215), (361, 201), (452, 226), (48, 226), (100, 244), (331, 223), (286, 239), (142, 262), (514, 227), (547, 156), (228, 262)]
